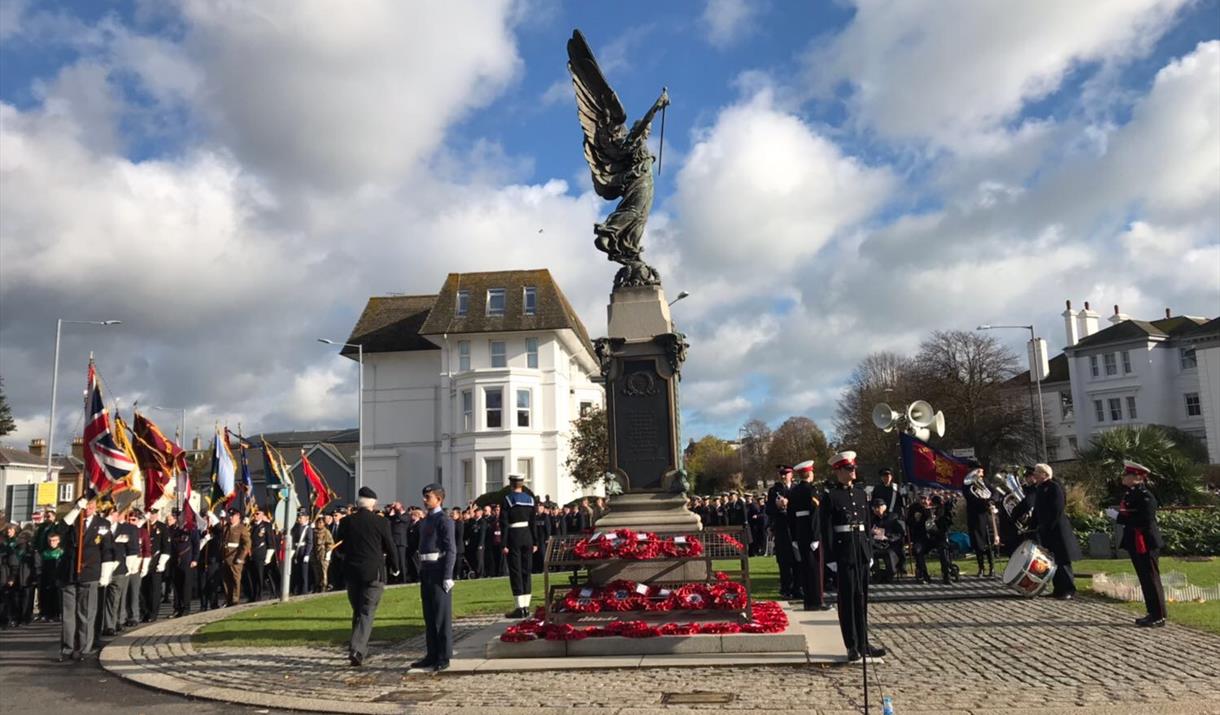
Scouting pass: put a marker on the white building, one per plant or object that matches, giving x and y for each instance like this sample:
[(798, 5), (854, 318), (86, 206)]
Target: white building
[(466, 386), (20, 474), (1132, 373)]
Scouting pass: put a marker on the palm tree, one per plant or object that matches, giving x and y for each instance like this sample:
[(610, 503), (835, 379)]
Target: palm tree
[(1176, 478)]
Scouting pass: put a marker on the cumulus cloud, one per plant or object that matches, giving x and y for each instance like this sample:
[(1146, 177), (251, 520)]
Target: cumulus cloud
[(727, 22)]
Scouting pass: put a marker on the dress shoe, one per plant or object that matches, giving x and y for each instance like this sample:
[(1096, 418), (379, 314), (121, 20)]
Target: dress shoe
[(1063, 596), (356, 660), (423, 664), (853, 655), (875, 651), (1143, 621), (107, 631), (825, 607), (1151, 623), (76, 656), (440, 667)]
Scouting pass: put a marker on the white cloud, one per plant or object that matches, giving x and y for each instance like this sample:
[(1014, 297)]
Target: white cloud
[(727, 22), (955, 72)]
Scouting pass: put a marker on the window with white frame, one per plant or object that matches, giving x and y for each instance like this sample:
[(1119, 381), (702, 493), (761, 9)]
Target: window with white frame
[(67, 491), (496, 301), (1126, 354), (467, 411), (529, 300), (1116, 410), (1132, 413), (1100, 409), (463, 303), (1189, 359), (1093, 370), (468, 479), (531, 353), (525, 467), (1065, 405), (499, 354), (493, 407), (1111, 361), (494, 469), (1193, 407), (463, 355), (523, 408)]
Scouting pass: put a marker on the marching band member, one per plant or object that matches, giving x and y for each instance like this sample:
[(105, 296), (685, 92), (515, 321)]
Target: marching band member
[(1054, 530), (918, 519), (980, 523), (805, 529), (1142, 539), (845, 525), (887, 534)]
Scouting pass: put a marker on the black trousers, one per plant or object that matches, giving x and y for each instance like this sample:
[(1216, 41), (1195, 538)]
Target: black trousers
[(520, 564), (150, 594), (853, 592), (184, 588), (1148, 568), (919, 551), (1064, 580), (255, 573), (402, 564), (785, 558), (438, 613), (810, 571), (363, 597)]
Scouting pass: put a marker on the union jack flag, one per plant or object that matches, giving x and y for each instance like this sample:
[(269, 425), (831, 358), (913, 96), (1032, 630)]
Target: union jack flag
[(105, 462)]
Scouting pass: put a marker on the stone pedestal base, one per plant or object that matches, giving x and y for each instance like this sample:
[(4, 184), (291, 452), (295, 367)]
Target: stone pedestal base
[(638, 313)]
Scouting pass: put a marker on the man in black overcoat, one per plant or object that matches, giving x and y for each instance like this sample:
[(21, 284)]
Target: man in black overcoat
[(365, 544), (1054, 530)]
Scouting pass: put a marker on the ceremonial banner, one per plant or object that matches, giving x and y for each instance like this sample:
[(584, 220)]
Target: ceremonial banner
[(322, 495), (105, 461), (929, 467), (224, 469), (159, 458)]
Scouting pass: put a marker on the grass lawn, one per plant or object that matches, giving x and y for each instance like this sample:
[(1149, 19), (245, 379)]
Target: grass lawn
[(327, 620)]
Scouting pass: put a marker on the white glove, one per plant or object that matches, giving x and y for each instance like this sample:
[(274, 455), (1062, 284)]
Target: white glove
[(162, 561), (133, 563), (267, 558), (796, 546), (447, 584), (145, 564), (70, 517), (80, 503), (1112, 513), (108, 568), (306, 559), (870, 563), (814, 546), (834, 568)]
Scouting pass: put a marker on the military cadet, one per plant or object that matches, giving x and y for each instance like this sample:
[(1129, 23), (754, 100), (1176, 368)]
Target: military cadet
[(845, 528), (777, 520), (542, 533), (235, 551), (261, 554), (159, 547), (137, 564), (735, 511), (918, 518), (437, 553), (804, 527), (1142, 539), (517, 523), (186, 560), (474, 533), (302, 548), (756, 517), (126, 545), (366, 543), (88, 543)]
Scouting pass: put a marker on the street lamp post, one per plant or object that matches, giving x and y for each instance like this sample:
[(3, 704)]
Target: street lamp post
[(1033, 372), (59, 324), (360, 408)]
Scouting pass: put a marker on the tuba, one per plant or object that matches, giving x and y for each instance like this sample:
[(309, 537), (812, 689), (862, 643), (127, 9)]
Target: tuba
[(976, 483), (1013, 499)]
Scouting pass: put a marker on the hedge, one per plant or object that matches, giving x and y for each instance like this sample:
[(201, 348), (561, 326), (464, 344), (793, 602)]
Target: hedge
[(1193, 532)]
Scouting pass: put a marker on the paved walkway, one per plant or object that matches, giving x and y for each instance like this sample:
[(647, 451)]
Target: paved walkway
[(982, 656)]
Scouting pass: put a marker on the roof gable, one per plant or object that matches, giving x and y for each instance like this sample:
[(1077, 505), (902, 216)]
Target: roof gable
[(1129, 330), (391, 324)]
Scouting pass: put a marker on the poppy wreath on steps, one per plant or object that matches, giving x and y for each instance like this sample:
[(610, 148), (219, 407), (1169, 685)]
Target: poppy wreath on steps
[(623, 595), (693, 596), (769, 617), (731, 541), (582, 599)]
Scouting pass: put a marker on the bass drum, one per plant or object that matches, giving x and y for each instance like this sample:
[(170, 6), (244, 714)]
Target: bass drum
[(1030, 569)]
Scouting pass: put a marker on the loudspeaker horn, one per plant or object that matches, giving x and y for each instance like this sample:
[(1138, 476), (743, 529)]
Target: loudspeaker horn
[(922, 433), (920, 414), (938, 423), (884, 417)]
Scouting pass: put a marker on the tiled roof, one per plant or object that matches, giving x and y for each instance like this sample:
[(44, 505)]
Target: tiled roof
[(1210, 329), (392, 324), (1057, 371), (8, 455), (1140, 329)]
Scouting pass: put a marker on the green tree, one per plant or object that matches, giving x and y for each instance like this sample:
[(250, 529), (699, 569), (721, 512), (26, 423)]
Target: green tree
[(755, 438), (7, 425), (798, 439), (880, 377), (1176, 479), (588, 459), (713, 466)]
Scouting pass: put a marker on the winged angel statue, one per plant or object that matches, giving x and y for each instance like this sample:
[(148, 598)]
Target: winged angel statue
[(620, 162)]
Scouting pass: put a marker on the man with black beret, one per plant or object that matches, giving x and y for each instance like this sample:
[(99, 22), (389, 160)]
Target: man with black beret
[(365, 543)]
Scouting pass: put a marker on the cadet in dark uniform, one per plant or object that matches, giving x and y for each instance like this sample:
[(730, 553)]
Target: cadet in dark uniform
[(517, 522), (160, 546), (895, 506), (1054, 530), (88, 541), (185, 545), (542, 533), (918, 519), (366, 544), (1142, 540), (805, 527), (260, 549), (777, 519), (437, 554), (845, 526), (735, 511)]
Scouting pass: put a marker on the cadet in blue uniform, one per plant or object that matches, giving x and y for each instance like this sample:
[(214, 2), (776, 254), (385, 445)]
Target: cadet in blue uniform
[(437, 555), (517, 522), (804, 526), (845, 527), (1142, 539)]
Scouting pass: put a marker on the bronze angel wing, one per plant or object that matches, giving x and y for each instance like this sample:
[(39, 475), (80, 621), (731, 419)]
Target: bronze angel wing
[(603, 119)]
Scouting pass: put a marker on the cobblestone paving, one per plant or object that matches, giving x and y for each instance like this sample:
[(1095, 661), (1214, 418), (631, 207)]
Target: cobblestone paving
[(961, 656)]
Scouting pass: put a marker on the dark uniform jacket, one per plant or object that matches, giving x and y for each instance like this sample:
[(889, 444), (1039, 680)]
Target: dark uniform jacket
[(735, 513), (302, 542), (436, 537), (775, 518), (1051, 522), (846, 506), (98, 546), (518, 508), (804, 519), (367, 543), (185, 545), (1137, 513), (917, 523), (891, 497), (260, 541)]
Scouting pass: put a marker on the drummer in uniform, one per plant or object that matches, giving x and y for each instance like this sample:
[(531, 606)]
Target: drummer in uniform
[(845, 526), (1142, 539), (804, 526)]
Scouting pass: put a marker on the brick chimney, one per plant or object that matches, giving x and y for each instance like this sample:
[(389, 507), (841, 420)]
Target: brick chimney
[(1118, 316), (38, 447), (1069, 326), (78, 448), (1168, 315)]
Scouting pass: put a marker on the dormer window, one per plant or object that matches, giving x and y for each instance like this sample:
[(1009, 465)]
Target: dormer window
[(495, 301), (463, 303), (529, 300), (1190, 359)]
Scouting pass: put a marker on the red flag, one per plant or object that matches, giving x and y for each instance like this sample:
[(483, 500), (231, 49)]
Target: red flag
[(105, 462), (322, 495), (931, 467), (159, 458)]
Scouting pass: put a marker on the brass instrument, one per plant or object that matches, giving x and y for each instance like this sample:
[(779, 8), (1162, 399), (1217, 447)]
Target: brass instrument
[(1013, 499)]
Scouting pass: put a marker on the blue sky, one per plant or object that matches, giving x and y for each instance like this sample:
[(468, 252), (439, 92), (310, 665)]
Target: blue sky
[(838, 178)]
